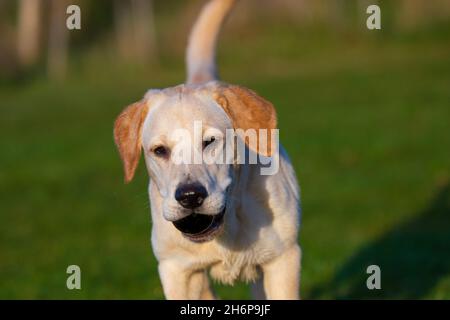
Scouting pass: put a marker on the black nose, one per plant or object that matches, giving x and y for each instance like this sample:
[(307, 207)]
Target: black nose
[(191, 196)]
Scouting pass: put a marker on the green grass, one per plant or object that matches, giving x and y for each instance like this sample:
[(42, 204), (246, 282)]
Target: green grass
[(366, 122)]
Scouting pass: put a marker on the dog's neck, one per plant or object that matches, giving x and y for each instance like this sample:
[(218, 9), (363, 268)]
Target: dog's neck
[(247, 184)]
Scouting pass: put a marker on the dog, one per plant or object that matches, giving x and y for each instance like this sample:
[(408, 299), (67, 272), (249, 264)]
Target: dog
[(226, 218)]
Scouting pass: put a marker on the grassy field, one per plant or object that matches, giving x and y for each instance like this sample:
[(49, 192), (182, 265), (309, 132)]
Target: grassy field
[(366, 122)]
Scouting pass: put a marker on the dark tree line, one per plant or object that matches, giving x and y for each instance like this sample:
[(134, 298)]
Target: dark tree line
[(33, 32)]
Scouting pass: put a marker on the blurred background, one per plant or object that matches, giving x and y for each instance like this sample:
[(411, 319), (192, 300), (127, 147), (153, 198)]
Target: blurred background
[(364, 115)]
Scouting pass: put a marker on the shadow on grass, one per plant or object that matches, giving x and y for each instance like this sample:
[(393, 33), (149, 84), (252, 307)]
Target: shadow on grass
[(413, 257)]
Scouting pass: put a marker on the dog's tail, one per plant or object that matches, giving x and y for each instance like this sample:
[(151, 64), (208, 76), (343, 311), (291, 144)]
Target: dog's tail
[(201, 50)]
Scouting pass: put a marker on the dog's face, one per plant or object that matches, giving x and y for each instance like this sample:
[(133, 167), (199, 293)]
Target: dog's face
[(177, 129), (182, 131)]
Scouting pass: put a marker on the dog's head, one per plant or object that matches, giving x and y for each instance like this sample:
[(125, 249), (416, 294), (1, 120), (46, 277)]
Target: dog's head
[(182, 131)]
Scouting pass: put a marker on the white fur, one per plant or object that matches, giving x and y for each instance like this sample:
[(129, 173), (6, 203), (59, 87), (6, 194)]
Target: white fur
[(261, 220), (200, 54), (259, 238)]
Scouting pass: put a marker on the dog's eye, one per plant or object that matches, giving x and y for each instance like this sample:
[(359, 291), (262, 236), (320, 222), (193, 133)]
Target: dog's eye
[(161, 151), (208, 141)]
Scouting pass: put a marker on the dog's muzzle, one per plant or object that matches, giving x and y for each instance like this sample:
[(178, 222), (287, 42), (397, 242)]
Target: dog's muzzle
[(200, 227)]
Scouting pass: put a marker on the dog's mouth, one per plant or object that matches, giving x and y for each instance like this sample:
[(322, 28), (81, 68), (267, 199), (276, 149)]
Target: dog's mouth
[(199, 227)]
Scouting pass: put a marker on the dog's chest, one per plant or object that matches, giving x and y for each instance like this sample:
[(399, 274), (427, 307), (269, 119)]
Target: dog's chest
[(241, 259), (233, 267), (240, 265)]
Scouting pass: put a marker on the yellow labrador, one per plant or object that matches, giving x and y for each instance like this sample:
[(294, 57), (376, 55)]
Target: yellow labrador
[(225, 216)]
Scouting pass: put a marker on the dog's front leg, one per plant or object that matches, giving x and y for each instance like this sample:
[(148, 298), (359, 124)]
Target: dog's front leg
[(199, 287), (180, 283), (282, 275), (174, 279)]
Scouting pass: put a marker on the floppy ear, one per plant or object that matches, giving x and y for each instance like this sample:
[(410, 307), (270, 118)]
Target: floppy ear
[(128, 136), (248, 110)]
